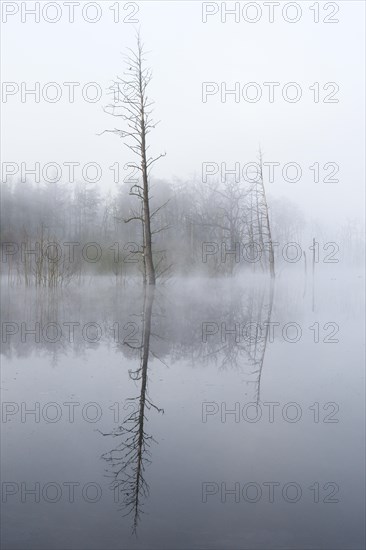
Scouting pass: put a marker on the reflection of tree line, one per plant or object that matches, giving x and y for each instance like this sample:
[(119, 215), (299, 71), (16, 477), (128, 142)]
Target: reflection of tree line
[(77, 314), (177, 323), (172, 332), (130, 456)]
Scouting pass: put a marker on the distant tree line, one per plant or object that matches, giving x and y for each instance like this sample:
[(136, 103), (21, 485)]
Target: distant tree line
[(210, 229)]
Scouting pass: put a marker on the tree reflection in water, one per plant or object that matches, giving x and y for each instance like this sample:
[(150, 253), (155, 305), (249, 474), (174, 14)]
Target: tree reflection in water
[(128, 460)]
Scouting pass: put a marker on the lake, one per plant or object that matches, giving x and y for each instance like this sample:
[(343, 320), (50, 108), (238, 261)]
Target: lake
[(209, 413)]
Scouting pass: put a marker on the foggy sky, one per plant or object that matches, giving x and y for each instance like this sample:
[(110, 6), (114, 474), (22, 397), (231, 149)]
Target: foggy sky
[(184, 53)]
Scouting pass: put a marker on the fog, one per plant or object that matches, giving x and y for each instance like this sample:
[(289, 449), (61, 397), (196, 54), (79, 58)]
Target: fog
[(183, 271), (184, 54)]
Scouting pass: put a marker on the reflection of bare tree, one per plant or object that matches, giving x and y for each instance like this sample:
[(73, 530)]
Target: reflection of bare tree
[(242, 333), (129, 459), (261, 345)]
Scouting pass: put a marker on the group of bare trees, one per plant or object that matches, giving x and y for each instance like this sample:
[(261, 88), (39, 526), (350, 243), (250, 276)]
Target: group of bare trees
[(151, 227), (230, 215), (132, 105)]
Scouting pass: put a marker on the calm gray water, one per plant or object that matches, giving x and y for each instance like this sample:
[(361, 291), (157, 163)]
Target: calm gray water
[(212, 414)]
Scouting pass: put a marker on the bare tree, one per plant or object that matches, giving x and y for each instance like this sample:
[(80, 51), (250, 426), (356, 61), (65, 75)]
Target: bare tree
[(132, 105), (221, 209), (262, 213)]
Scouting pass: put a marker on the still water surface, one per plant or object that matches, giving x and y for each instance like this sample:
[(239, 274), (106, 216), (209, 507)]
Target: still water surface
[(208, 414)]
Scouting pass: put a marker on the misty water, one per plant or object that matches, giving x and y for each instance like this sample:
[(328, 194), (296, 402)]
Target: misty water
[(208, 413)]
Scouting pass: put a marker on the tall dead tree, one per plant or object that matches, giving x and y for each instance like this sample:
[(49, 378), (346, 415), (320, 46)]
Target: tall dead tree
[(264, 226), (132, 105)]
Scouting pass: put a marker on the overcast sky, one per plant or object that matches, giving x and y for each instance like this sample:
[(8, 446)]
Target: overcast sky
[(185, 52)]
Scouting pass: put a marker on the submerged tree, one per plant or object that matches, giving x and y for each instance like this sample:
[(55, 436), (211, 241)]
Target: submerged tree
[(132, 105)]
